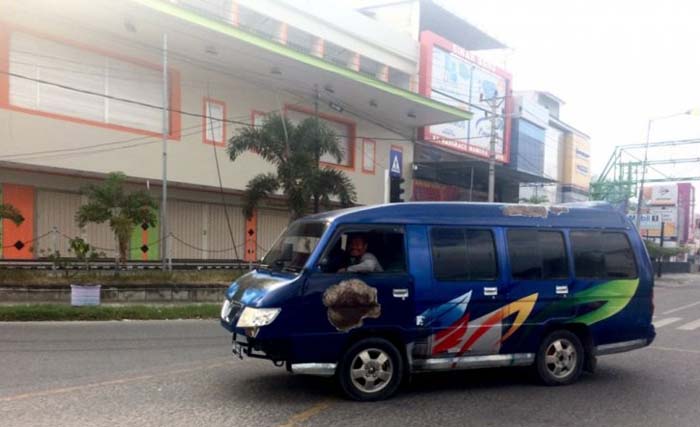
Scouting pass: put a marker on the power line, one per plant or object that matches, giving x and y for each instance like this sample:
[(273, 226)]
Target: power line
[(221, 187), (180, 111)]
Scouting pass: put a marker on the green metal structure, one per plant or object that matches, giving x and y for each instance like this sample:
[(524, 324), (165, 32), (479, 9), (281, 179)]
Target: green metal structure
[(620, 179)]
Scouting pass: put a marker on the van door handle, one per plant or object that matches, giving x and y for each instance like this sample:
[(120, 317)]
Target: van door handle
[(562, 290), (401, 293), (490, 291)]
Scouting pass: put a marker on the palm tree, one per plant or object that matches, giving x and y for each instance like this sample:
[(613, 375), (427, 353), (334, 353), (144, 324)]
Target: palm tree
[(109, 202), (295, 150), (7, 211)]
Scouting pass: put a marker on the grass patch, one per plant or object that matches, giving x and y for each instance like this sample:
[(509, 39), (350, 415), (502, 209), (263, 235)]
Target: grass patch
[(33, 312), (138, 277)]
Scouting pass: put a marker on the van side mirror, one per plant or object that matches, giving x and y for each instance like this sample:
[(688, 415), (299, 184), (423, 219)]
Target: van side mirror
[(323, 265)]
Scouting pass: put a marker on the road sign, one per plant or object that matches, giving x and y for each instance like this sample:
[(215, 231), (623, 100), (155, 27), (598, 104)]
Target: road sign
[(395, 162)]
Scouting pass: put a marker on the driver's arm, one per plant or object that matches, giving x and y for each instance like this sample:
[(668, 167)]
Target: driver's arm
[(368, 264)]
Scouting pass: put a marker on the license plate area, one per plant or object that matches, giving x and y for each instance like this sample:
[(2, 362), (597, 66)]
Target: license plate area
[(239, 346)]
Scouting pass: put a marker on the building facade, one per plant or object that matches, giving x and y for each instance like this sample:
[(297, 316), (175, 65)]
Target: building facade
[(550, 148), (82, 94)]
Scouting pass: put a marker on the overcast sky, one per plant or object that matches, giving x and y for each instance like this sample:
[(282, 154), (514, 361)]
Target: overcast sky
[(616, 63)]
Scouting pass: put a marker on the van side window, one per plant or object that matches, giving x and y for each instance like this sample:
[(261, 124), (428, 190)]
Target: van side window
[(619, 258), (537, 254), (602, 255), (463, 254), (367, 250), (588, 255)]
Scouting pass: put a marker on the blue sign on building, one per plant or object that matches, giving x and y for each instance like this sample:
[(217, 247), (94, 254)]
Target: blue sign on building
[(395, 162)]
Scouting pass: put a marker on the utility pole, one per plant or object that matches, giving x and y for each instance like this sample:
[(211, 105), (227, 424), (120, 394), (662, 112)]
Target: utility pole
[(317, 155), (164, 202), (495, 104)]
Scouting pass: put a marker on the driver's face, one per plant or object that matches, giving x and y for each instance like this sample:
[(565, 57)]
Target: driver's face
[(358, 247)]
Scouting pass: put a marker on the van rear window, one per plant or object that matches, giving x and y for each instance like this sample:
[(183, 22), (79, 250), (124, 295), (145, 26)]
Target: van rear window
[(602, 255), (537, 255), (463, 254)]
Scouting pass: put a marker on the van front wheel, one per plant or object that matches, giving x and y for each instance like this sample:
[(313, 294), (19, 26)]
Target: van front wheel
[(560, 358), (370, 369)]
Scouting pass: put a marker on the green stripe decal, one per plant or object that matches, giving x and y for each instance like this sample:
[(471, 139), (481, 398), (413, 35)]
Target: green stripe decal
[(615, 294), (270, 46)]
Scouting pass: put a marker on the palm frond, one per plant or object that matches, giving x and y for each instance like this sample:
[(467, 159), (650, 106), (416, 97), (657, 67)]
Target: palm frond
[(333, 182), (258, 188), (269, 140), (10, 212), (317, 138)]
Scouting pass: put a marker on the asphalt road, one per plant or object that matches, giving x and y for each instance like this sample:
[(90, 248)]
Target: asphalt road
[(180, 373)]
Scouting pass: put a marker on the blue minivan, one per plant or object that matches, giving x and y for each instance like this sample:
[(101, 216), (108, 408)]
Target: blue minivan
[(374, 294)]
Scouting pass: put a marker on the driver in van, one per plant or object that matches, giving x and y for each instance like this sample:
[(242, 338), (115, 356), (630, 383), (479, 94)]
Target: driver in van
[(361, 261)]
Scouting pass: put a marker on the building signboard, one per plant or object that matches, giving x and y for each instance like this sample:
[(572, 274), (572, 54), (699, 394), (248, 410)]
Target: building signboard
[(577, 161), (457, 77), (664, 195)]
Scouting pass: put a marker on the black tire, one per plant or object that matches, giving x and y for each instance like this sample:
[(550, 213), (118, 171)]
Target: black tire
[(560, 364), (375, 370)]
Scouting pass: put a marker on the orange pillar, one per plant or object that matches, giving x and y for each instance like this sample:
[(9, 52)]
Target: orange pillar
[(251, 238), (16, 239)]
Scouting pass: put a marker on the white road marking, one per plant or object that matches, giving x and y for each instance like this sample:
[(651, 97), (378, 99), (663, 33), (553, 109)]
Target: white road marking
[(682, 350), (690, 326), (683, 307), (667, 321)]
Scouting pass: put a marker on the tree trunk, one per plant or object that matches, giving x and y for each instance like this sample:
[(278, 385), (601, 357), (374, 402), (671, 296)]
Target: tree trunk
[(123, 249), (317, 202)]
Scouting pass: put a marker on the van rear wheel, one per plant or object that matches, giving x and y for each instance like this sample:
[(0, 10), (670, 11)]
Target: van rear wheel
[(560, 358), (371, 369)]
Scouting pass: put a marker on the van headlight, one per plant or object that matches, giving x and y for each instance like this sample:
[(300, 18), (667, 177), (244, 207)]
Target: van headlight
[(226, 310), (256, 317)]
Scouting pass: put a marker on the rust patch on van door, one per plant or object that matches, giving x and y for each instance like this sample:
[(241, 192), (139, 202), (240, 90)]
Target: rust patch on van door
[(349, 302)]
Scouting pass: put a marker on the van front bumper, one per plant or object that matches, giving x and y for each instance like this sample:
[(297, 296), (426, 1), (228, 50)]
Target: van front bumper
[(244, 346)]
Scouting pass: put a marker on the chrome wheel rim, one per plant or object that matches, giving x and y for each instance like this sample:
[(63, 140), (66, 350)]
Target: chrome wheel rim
[(371, 370), (561, 358)]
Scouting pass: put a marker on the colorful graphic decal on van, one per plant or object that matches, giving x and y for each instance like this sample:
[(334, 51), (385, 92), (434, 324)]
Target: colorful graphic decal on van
[(349, 302), (482, 334), (486, 334), (603, 301)]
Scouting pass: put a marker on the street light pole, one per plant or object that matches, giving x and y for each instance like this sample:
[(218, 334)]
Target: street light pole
[(164, 202)]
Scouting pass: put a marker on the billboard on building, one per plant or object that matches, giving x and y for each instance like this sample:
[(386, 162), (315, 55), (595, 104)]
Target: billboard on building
[(457, 77), (663, 195), (651, 221), (672, 205)]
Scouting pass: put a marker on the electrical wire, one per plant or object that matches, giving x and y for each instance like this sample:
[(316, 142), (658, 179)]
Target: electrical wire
[(221, 185)]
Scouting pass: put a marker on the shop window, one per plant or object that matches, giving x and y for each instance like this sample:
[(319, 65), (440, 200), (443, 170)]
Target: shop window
[(65, 81), (213, 122)]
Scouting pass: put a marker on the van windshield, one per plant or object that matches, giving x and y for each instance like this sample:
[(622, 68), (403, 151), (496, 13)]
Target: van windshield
[(293, 248)]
